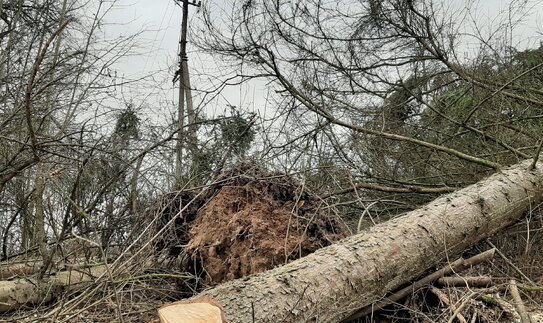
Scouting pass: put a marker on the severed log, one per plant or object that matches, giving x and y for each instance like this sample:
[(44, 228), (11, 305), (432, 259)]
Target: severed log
[(29, 291), (335, 282)]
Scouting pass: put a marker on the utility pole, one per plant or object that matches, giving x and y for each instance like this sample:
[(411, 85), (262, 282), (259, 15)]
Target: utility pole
[(184, 92)]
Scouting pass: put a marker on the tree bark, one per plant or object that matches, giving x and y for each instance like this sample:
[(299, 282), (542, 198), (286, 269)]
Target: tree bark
[(334, 282)]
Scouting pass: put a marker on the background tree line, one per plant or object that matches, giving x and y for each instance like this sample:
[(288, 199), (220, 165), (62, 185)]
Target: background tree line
[(76, 158)]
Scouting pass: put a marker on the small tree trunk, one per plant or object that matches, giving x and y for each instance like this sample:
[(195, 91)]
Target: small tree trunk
[(134, 186), (334, 282), (39, 214), (24, 204)]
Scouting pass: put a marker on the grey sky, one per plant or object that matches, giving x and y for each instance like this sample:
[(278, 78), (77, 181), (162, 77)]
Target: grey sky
[(162, 18), (156, 58)]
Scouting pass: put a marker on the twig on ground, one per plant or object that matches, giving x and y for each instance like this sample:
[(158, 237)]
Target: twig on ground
[(519, 305), (536, 156), (461, 307), (442, 297), (474, 317)]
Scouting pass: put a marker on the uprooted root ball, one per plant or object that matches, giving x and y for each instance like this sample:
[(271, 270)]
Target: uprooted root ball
[(255, 221)]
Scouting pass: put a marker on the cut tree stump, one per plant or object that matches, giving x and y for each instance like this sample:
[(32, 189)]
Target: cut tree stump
[(336, 281), (200, 310)]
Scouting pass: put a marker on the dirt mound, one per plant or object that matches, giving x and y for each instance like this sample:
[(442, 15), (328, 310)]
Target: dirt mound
[(254, 221)]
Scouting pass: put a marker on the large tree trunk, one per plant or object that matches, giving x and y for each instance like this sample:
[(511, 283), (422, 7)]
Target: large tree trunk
[(332, 283)]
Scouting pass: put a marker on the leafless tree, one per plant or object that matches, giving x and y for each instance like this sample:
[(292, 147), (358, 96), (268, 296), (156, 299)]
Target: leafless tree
[(55, 82), (377, 96)]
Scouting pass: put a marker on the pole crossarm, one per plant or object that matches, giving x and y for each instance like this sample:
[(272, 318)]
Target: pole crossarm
[(192, 3)]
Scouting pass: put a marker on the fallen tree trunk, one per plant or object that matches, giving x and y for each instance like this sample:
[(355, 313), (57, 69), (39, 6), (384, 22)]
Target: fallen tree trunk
[(29, 291), (334, 282), (8, 271)]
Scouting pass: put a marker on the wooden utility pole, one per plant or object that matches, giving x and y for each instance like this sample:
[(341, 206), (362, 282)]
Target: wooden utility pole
[(184, 90)]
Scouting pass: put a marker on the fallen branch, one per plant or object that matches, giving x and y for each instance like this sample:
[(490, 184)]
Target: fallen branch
[(458, 281), (519, 305), (391, 189), (457, 266)]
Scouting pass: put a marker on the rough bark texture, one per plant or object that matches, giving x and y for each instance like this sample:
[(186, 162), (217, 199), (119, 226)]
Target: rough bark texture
[(334, 282)]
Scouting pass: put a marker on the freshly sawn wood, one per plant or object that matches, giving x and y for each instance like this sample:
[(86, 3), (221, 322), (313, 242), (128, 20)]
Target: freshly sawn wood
[(200, 310), (335, 282)]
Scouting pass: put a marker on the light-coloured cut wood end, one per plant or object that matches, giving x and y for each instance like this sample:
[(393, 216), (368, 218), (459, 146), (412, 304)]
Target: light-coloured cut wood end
[(201, 310)]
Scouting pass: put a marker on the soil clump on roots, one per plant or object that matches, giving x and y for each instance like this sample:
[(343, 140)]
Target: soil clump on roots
[(251, 220)]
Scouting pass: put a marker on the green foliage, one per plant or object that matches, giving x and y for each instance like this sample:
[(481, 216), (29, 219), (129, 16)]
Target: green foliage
[(237, 133), (397, 106), (529, 58), (500, 120), (127, 124), (458, 101), (227, 138), (479, 120)]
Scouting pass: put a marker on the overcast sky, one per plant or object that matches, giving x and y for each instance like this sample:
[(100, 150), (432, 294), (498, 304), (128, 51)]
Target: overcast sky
[(160, 23), (161, 20)]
